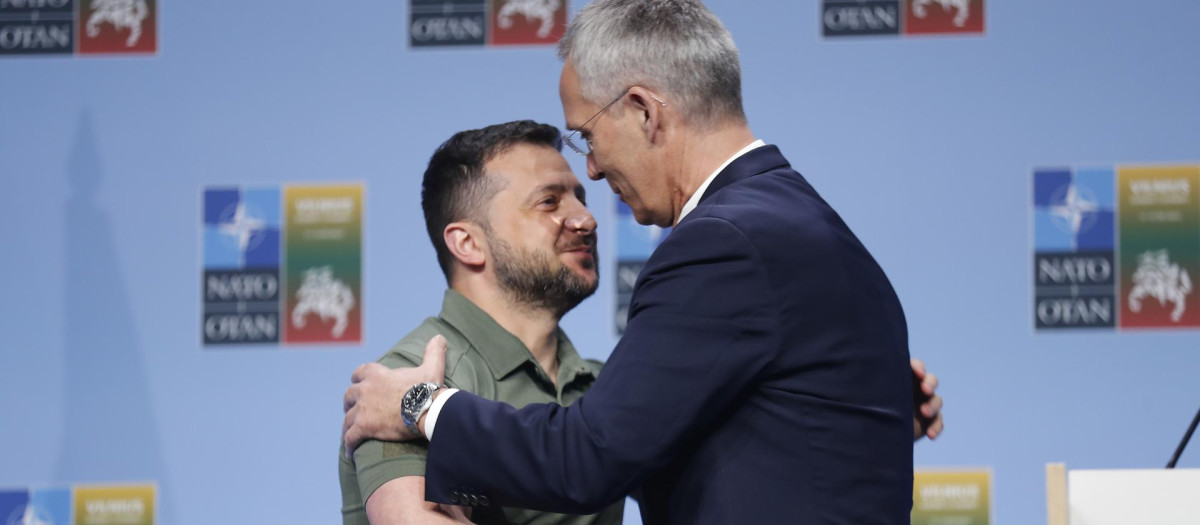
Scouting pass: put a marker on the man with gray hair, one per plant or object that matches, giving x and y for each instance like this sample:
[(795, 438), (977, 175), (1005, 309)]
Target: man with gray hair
[(764, 374)]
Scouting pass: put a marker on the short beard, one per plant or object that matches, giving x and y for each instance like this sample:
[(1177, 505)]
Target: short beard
[(529, 280)]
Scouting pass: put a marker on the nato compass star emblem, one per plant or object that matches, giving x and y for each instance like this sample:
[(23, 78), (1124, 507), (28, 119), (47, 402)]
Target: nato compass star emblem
[(1076, 210), (242, 227)]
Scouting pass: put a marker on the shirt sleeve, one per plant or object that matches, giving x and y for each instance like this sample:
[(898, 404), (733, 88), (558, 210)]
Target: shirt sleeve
[(378, 462)]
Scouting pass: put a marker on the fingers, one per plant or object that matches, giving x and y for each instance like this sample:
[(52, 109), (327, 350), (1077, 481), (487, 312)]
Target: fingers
[(929, 384), (366, 370), (351, 398), (918, 367), (932, 407), (931, 414), (371, 401), (352, 435), (435, 358), (935, 429)]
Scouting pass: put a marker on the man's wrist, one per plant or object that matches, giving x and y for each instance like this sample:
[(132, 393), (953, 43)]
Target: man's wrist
[(428, 421)]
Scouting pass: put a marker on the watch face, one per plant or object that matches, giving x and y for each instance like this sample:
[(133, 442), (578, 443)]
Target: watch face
[(416, 398), (415, 402)]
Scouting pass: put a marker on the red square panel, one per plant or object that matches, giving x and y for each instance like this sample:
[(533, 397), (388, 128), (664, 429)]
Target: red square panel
[(943, 16), (527, 21), (118, 26)]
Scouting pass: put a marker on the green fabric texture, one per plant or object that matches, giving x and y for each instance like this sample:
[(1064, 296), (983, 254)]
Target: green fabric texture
[(483, 358)]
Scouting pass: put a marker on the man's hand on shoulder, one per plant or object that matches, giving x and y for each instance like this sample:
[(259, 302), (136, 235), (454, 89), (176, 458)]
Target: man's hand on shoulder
[(927, 404), (374, 401)]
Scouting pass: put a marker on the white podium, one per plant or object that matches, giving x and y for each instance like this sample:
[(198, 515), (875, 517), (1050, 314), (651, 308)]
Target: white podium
[(1122, 497)]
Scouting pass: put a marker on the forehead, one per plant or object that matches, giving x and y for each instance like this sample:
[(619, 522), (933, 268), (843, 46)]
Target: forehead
[(576, 109), (524, 168)]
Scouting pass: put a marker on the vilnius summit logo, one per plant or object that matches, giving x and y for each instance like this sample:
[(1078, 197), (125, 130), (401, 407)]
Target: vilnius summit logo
[(83, 27), (477, 23), (282, 265), (841, 18), (1116, 247)]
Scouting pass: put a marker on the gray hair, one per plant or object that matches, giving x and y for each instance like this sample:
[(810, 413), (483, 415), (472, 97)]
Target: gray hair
[(675, 46)]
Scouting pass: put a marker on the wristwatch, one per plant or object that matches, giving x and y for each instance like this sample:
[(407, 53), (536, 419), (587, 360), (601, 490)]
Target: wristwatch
[(415, 403)]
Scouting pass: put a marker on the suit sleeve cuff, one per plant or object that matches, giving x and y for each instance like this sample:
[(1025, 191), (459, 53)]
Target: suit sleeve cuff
[(435, 409)]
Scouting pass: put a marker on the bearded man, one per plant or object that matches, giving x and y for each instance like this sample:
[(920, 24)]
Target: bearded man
[(517, 245)]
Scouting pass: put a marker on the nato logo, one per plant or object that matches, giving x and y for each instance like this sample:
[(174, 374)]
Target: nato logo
[(1074, 217), (242, 245)]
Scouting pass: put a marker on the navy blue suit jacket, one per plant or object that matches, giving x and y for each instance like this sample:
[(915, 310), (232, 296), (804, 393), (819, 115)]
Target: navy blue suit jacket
[(763, 378)]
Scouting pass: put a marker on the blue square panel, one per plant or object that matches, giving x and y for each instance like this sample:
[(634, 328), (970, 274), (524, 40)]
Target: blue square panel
[(263, 249), (264, 205), (1048, 236), (1048, 185), (220, 251), (1099, 184), (12, 506), (52, 506), (1099, 234), (216, 201)]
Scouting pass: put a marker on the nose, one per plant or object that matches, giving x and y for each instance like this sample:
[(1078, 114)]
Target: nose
[(593, 170), (581, 221)]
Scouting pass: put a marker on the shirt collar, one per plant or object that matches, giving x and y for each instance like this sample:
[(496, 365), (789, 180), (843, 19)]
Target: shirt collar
[(502, 351), (694, 200), (570, 365)]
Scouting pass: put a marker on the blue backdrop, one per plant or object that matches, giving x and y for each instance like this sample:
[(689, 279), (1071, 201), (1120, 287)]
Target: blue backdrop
[(925, 145)]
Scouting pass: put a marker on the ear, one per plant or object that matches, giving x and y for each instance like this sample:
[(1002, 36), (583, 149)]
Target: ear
[(650, 109), (466, 242)]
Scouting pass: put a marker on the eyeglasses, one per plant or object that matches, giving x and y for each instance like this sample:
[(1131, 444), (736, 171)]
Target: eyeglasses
[(585, 147)]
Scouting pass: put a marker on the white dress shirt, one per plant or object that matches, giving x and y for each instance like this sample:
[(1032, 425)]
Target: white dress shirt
[(695, 198)]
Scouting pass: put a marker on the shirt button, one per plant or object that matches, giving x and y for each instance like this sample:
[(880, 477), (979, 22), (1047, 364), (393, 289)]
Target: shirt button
[(474, 500), (455, 498), (483, 501)]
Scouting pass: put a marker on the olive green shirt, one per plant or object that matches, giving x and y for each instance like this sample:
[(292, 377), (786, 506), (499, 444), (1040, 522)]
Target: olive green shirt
[(483, 358)]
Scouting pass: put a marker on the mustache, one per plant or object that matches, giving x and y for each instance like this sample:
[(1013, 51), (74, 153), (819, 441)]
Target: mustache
[(587, 241)]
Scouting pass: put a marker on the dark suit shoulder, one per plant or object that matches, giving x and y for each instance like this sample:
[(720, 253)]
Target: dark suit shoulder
[(778, 206), (805, 247)]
